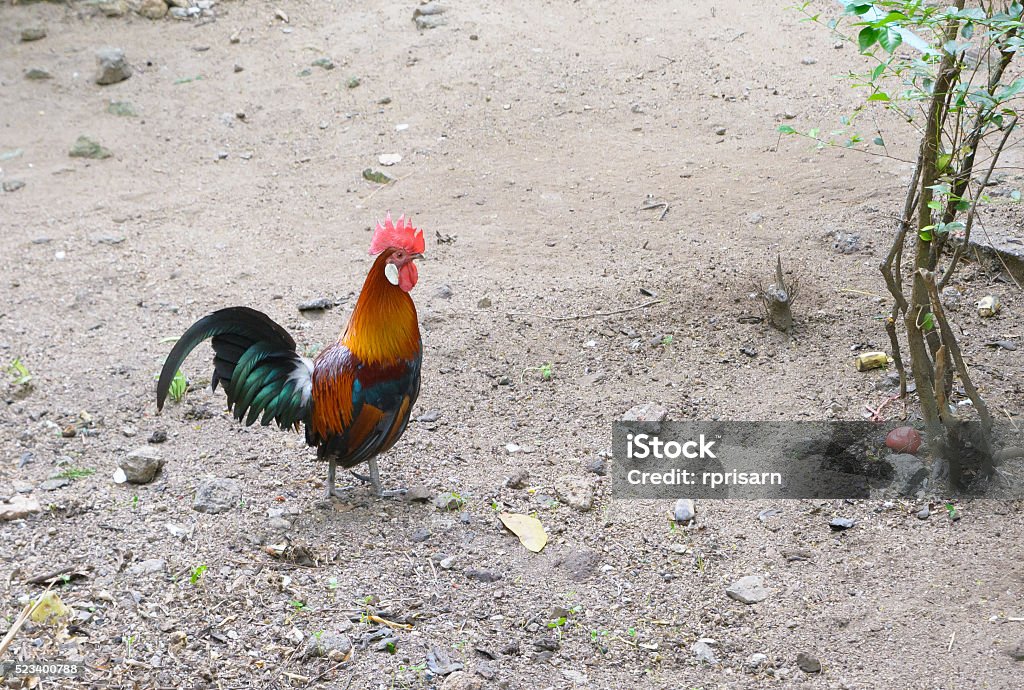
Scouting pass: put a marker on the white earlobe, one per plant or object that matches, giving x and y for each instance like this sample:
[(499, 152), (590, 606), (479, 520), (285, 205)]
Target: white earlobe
[(391, 271)]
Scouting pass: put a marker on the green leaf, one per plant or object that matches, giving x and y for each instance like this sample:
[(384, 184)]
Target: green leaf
[(889, 39), (813, 133), (858, 8), (925, 233), (929, 322), (786, 129), (935, 205), (967, 31), (877, 71), (953, 227), (867, 38), (879, 96), (879, 141)]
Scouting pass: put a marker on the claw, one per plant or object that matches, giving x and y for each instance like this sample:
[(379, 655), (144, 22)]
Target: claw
[(374, 478)]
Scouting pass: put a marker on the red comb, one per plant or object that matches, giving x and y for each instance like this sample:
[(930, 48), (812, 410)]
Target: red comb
[(400, 235)]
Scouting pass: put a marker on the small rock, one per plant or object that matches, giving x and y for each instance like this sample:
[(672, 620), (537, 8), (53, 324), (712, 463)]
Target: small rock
[(87, 148), (176, 531), (19, 507), (598, 466), (482, 575), (389, 159), (518, 479), (808, 663), (428, 16), (419, 494), (333, 645), (147, 567), (158, 436), (420, 535), (460, 680), (141, 465), (440, 662), (429, 416), (113, 68), (324, 62), (214, 496), (703, 651), (904, 439), (808, 60), (353, 82), (648, 412), (575, 677), (1016, 651), (121, 109), (37, 74), (840, 523), (447, 563), (755, 662), (113, 8), (483, 303), (152, 9), (754, 218), (720, 131), (318, 304), (33, 33), (238, 68), (924, 513), (844, 242), (278, 524), (444, 292), (748, 590), (12, 185), (951, 298), (54, 484), (576, 492), (447, 501), (684, 510)]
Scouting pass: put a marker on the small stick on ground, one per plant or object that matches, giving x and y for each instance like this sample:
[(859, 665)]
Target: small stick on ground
[(577, 317), (777, 299)]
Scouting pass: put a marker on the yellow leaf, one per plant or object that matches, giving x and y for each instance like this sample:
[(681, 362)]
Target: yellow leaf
[(529, 530), (49, 606)]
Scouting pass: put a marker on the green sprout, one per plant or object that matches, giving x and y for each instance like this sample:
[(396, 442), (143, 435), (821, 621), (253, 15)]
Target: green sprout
[(299, 606), (178, 385), (666, 340), (197, 573), (20, 375), (546, 370), (74, 473)]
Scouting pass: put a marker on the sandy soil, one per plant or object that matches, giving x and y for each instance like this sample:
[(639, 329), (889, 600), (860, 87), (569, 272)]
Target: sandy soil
[(537, 132)]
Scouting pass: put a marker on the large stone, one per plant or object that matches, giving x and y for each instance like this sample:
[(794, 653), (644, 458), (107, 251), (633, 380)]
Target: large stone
[(648, 412), (215, 496), (748, 590), (19, 507), (333, 645), (113, 67), (141, 465), (153, 9)]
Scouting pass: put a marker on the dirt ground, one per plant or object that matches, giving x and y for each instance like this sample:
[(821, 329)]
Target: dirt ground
[(536, 134)]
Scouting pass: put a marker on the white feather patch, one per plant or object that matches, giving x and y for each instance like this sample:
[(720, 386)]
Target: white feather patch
[(391, 271)]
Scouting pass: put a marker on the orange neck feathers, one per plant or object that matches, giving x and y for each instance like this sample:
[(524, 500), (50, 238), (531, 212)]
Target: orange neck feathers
[(383, 326)]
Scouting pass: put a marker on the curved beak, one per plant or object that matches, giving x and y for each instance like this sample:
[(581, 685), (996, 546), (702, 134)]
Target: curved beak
[(413, 257)]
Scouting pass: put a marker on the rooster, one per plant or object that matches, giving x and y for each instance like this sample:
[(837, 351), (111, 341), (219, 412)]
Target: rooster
[(356, 397)]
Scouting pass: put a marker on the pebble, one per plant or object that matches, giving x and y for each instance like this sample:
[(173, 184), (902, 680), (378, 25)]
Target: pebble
[(318, 304), (598, 466), (460, 680), (37, 74), (54, 484), (390, 159), (112, 66), (152, 9), (748, 590), (483, 303), (429, 416), (808, 60), (324, 62), (19, 507), (214, 496), (420, 535), (576, 492), (147, 567), (839, 524), (330, 644), (703, 651), (720, 131), (141, 465), (755, 662), (482, 575), (924, 513), (444, 292), (158, 436), (428, 16), (648, 412), (808, 663), (684, 510), (419, 494), (113, 8), (440, 661), (518, 479), (85, 147), (1016, 651), (13, 185), (33, 33), (754, 217)]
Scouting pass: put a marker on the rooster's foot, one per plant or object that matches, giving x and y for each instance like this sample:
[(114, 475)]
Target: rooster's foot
[(374, 479)]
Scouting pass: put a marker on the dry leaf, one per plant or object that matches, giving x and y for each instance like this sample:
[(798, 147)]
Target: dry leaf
[(49, 606), (529, 530)]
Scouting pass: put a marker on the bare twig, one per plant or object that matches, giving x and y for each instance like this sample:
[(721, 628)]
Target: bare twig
[(577, 317)]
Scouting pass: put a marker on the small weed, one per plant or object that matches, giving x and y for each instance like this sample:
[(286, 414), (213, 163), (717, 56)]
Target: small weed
[(135, 502), (197, 573), (557, 622), (666, 340), (178, 386), (74, 473), (546, 371), (299, 606), (332, 583), (20, 375)]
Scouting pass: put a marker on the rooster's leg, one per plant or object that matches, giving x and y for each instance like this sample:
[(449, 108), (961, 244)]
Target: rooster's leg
[(331, 469), (374, 479)]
